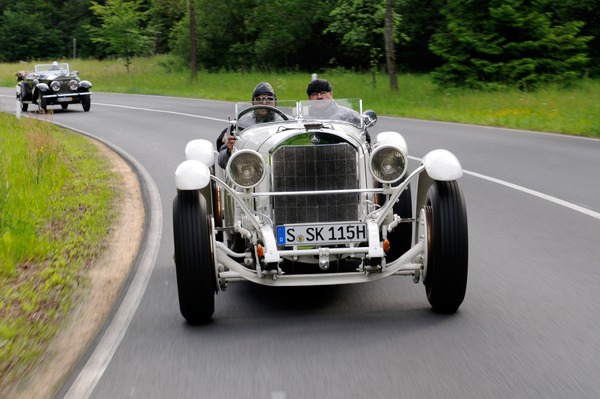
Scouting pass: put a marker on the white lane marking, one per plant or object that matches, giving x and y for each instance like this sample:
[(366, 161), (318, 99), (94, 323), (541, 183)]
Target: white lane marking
[(96, 365), (543, 196), (162, 111)]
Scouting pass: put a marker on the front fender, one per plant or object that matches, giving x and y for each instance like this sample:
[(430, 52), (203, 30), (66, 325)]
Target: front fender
[(43, 87), (442, 165), (439, 165), (192, 175), (200, 150), (85, 84)]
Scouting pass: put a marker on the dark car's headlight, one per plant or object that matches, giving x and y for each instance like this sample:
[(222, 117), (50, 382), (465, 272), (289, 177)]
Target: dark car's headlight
[(246, 168), (73, 85), (55, 85), (388, 163)]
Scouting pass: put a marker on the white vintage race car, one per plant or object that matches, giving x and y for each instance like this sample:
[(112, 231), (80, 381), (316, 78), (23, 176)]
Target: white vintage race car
[(312, 201)]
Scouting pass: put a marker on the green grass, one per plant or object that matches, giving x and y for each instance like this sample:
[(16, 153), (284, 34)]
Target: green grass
[(57, 199), (574, 110)]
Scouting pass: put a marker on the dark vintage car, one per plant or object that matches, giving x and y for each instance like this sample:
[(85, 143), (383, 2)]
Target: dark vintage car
[(308, 200), (52, 84)]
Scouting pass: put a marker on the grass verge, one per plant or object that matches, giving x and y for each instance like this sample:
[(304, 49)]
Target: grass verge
[(574, 110), (57, 197)]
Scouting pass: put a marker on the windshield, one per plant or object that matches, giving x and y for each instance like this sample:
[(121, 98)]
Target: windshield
[(344, 109), (49, 69)]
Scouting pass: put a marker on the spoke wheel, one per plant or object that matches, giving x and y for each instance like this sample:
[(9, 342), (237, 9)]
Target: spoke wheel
[(448, 253), (194, 261)]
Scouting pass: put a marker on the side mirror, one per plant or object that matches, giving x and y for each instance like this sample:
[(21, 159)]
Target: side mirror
[(369, 118)]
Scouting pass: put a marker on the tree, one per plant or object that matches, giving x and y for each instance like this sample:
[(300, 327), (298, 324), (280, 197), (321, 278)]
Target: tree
[(17, 41), (420, 20), (123, 29), (491, 43), (279, 35), (390, 54), (361, 26), (25, 33), (587, 11), (193, 54), (165, 14)]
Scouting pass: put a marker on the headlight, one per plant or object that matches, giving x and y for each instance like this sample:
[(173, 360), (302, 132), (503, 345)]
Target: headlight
[(388, 164), (73, 85), (246, 168), (55, 85)]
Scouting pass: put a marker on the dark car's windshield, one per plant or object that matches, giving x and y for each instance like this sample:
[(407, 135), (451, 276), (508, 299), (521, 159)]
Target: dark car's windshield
[(52, 69)]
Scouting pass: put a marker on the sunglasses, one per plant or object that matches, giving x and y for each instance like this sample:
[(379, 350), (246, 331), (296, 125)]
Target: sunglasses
[(264, 98)]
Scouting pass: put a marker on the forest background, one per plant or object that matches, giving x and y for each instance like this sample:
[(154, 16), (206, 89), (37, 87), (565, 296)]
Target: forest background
[(488, 44)]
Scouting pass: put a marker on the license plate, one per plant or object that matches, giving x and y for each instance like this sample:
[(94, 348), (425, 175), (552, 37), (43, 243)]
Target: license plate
[(64, 99), (329, 233)]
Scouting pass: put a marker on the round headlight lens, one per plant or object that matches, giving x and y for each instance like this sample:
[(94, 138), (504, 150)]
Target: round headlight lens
[(73, 85), (246, 168), (55, 85), (388, 164)]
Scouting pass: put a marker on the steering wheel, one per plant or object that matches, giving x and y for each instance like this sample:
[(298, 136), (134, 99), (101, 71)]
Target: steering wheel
[(267, 107)]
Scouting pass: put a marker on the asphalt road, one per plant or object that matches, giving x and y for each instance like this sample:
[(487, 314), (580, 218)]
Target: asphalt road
[(528, 327)]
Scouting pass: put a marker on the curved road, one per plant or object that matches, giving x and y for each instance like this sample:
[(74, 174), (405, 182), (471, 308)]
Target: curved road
[(528, 327)]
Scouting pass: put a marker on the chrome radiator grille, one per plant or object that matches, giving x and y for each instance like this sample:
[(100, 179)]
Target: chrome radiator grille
[(315, 168)]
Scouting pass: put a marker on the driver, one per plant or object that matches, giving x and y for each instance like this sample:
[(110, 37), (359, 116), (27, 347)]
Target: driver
[(263, 94)]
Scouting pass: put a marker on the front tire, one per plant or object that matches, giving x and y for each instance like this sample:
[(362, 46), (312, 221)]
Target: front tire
[(43, 103), (86, 102), (193, 257), (21, 95), (448, 247)]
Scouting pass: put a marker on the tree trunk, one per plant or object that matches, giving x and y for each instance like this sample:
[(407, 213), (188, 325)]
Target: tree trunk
[(390, 54), (193, 60)]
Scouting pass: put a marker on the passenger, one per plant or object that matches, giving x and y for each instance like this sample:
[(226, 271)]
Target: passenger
[(263, 94), (326, 107)]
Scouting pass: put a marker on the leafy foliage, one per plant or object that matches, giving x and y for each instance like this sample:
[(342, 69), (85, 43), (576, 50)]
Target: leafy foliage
[(17, 41), (31, 29), (475, 43), (123, 30), (491, 43)]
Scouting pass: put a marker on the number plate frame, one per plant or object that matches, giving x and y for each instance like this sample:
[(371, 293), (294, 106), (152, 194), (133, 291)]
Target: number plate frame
[(321, 233)]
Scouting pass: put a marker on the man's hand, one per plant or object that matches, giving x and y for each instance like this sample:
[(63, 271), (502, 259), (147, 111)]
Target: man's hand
[(230, 143)]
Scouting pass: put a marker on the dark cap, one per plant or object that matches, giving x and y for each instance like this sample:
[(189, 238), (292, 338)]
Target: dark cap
[(263, 88), (317, 86)]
